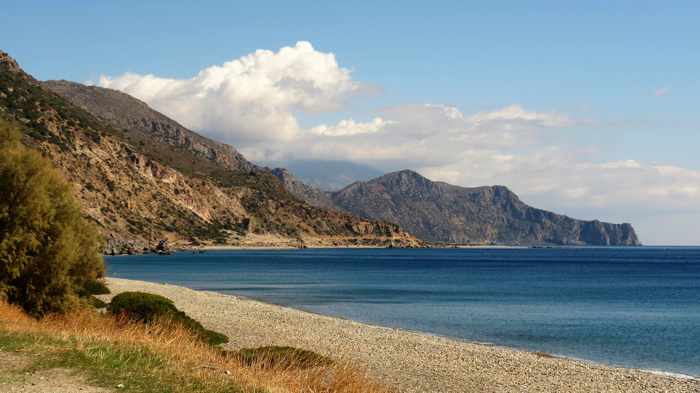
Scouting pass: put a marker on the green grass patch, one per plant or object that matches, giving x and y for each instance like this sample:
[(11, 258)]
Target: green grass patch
[(108, 365)]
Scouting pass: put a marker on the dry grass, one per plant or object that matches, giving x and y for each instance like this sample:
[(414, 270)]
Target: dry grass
[(181, 354)]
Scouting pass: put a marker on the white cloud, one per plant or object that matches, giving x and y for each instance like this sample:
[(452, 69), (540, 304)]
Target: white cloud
[(516, 113), (414, 136), (630, 164), (350, 127), (252, 98), (569, 180)]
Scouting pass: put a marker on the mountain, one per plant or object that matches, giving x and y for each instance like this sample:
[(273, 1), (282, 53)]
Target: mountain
[(440, 212), (142, 176), (301, 190), (141, 123), (328, 175)]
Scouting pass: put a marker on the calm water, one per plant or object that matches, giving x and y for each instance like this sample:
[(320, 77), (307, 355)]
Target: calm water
[(638, 307)]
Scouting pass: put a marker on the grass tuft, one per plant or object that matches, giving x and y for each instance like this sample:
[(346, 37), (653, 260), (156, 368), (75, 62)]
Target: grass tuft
[(281, 357)]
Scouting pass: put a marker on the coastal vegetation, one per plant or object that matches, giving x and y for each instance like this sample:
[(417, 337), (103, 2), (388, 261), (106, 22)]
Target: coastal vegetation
[(282, 356), (49, 254), (149, 308), (164, 356)]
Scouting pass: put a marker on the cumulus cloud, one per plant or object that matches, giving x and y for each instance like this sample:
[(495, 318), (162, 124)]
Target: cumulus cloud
[(252, 98), (415, 135), (351, 127)]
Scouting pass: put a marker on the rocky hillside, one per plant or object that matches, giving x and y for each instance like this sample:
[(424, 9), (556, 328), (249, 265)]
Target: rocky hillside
[(142, 176), (140, 123), (303, 191), (441, 212)]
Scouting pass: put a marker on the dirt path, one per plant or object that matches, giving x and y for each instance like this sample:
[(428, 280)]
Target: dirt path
[(13, 378)]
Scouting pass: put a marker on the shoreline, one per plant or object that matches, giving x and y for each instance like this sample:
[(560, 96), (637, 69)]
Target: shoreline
[(671, 374), (410, 361), (359, 247), (286, 247), (468, 341)]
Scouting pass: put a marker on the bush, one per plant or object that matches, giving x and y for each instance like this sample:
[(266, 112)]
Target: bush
[(281, 357), (141, 306), (48, 251), (94, 287), (147, 308), (95, 302)]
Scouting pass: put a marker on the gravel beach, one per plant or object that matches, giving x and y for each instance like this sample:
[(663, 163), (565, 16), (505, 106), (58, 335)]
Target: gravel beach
[(409, 362)]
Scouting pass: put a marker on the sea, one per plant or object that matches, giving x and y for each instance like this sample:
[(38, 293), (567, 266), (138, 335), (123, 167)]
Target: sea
[(634, 307)]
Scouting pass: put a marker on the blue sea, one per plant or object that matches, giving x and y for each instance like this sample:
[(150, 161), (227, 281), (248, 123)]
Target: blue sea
[(634, 307)]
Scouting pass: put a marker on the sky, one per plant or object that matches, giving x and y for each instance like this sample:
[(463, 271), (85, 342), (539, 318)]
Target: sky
[(590, 109)]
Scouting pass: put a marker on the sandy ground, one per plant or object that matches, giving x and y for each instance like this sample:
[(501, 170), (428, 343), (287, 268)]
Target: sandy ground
[(408, 361)]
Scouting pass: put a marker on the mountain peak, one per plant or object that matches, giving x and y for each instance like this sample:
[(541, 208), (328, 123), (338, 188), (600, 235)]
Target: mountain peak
[(403, 177), (8, 63), (406, 173)]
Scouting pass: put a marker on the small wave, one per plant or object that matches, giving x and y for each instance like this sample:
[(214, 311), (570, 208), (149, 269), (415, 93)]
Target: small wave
[(670, 374)]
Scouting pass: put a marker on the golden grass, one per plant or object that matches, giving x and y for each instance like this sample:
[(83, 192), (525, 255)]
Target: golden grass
[(189, 357)]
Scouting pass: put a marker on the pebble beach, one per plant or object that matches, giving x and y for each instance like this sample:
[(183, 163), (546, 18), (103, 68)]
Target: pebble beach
[(406, 361)]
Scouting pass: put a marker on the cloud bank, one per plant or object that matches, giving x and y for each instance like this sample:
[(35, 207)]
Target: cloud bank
[(256, 101), (252, 98)]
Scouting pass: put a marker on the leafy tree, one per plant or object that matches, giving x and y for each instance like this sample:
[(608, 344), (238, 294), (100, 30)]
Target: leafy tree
[(48, 252)]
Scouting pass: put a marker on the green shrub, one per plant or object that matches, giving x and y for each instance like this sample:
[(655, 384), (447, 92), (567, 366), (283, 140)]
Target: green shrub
[(141, 306), (95, 302), (48, 251), (147, 308), (281, 357), (94, 287)]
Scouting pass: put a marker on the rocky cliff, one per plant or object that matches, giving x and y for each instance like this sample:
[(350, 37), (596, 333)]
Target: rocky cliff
[(142, 176), (441, 212)]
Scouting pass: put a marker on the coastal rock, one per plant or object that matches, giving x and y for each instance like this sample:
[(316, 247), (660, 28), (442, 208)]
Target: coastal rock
[(115, 246)]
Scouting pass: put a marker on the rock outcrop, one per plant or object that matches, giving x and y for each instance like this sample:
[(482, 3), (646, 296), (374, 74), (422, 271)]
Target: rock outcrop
[(440, 212), (142, 176)]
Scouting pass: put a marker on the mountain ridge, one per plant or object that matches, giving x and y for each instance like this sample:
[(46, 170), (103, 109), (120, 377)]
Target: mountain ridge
[(445, 213), (139, 174), (133, 115)]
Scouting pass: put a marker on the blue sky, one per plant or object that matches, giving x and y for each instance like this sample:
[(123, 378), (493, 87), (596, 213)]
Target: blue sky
[(626, 72)]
